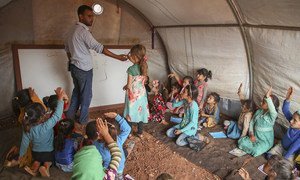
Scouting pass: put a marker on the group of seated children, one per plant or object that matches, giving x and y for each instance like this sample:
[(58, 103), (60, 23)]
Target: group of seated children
[(253, 129), (102, 155), (99, 156)]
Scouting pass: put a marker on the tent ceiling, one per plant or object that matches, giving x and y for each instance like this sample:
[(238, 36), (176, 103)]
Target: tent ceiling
[(274, 12), (198, 12), (185, 12)]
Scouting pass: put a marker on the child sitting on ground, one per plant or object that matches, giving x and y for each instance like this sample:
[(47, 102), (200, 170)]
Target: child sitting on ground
[(237, 129), (51, 102), (65, 145), (40, 133), (201, 83), (210, 114), (20, 101), (188, 125), (88, 160), (276, 168), (158, 109), (187, 80), (120, 139), (261, 132), (290, 143)]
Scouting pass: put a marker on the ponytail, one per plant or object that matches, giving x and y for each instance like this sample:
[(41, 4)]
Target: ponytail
[(209, 75), (144, 67), (206, 73), (140, 52), (65, 128), (33, 113)]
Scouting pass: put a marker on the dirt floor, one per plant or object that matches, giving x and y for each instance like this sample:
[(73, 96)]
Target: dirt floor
[(156, 154)]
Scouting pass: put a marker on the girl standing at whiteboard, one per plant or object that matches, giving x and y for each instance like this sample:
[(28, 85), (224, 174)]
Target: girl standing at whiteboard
[(136, 104)]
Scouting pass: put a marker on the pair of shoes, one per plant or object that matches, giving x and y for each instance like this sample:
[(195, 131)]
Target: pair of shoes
[(195, 143)]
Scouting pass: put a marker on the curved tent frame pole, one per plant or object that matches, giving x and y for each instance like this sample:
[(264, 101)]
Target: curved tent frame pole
[(235, 10), (152, 27)]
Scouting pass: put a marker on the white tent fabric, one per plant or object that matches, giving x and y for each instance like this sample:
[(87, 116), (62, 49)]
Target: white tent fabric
[(255, 42), (190, 49), (271, 12), (202, 33), (276, 63), (180, 12)]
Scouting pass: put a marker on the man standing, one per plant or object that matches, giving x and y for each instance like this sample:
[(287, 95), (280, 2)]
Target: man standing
[(77, 45)]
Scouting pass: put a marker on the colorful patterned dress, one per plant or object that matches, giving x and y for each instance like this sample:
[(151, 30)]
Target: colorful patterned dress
[(202, 92), (136, 102), (158, 108)]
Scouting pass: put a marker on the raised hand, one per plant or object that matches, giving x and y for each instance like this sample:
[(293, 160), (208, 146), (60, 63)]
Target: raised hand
[(289, 93), (60, 93), (240, 89), (31, 92), (111, 115), (172, 75), (125, 87), (102, 127), (269, 92)]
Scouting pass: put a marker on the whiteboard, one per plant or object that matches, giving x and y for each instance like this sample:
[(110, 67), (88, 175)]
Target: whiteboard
[(46, 69)]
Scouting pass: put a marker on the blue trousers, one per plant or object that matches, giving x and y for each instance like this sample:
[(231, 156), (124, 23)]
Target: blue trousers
[(181, 140), (82, 93)]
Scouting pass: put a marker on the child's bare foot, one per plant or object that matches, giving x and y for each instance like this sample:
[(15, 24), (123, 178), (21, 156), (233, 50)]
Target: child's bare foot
[(203, 138), (140, 135), (30, 171), (44, 171), (130, 136), (164, 122)]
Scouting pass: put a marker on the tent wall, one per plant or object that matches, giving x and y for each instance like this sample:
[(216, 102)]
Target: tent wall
[(16, 25), (48, 21), (219, 49), (276, 63)]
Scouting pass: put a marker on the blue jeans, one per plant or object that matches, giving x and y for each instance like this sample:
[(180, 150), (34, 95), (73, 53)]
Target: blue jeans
[(82, 93), (181, 140)]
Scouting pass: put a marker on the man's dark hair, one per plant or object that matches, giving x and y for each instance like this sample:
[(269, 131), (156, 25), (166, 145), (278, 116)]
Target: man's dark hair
[(83, 8)]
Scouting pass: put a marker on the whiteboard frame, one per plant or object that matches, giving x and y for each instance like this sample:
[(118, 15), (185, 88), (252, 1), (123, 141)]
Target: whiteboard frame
[(17, 70)]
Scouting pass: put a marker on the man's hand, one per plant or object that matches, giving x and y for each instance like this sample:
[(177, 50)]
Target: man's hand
[(123, 57)]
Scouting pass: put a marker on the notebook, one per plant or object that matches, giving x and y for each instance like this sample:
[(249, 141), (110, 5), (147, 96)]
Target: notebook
[(217, 135)]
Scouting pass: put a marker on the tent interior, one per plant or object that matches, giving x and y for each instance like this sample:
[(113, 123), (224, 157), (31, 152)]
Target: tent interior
[(255, 42)]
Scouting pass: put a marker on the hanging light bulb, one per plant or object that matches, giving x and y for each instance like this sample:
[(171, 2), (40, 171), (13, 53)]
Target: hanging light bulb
[(97, 9)]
